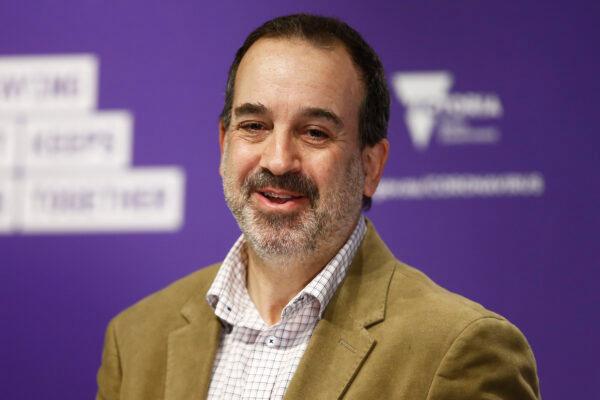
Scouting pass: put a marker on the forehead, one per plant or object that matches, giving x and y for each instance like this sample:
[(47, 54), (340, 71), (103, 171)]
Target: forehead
[(288, 74)]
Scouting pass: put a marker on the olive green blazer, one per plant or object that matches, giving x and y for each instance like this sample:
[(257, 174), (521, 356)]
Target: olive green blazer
[(388, 333)]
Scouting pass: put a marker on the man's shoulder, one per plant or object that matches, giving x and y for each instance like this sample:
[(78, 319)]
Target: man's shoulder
[(411, 289), (449, 334), (164, 306), (434, 317), (410, 293)]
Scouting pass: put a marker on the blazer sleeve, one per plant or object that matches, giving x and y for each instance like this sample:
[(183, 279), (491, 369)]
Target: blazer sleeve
[(110, 373), (490, 359)]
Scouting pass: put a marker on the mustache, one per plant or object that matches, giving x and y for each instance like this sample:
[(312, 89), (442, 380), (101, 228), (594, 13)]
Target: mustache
[(292, 181)]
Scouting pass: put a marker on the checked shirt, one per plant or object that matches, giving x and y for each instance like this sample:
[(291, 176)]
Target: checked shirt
[(257, 361)]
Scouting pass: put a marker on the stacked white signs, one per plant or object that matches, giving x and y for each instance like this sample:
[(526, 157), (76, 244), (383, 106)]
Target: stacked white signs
[(66, 166)]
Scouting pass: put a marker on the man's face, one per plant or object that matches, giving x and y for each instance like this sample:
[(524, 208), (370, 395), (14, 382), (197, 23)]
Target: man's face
[(291, 162)]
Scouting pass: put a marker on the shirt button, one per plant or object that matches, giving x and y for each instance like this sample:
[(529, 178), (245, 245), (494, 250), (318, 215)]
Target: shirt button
[(271, 341)]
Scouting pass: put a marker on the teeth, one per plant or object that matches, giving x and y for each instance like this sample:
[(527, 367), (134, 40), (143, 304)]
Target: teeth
[(277, 196)]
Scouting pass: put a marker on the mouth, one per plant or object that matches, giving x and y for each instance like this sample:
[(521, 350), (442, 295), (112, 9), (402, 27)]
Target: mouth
[(280, 199)]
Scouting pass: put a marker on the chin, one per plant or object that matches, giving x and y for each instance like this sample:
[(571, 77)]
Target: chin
[(277, 235)]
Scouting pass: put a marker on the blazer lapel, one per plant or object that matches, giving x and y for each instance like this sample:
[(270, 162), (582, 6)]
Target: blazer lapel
[(331, 361), (191, 351), (341, 343)]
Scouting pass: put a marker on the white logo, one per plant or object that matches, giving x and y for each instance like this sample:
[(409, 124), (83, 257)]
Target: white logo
[(432, 109)]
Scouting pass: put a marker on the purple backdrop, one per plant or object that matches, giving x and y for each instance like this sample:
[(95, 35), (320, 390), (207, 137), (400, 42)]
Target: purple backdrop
[(531, 257)]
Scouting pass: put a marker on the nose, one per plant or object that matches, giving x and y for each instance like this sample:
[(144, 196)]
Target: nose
[(280, 154)]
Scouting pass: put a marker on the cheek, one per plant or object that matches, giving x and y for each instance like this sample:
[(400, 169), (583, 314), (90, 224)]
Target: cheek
[(239, 160), (326, 170)]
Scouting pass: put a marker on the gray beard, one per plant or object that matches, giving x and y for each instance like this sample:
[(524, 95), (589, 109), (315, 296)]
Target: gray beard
[(300, 235)]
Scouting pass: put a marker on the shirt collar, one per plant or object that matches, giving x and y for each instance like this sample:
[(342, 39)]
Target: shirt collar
[(229, 298), (323, 286)]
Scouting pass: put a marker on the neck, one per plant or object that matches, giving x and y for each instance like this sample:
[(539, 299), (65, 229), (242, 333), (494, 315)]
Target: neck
[(272, 282)]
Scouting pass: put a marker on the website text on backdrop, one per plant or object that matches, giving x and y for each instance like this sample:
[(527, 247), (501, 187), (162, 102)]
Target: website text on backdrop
[(309, 303)]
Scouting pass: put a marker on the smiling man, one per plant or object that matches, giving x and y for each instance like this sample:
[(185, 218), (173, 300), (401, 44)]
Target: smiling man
[(309, 303)]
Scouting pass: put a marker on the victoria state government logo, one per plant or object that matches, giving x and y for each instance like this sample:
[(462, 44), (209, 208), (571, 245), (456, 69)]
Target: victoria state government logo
[(433, 110), (435, 113)]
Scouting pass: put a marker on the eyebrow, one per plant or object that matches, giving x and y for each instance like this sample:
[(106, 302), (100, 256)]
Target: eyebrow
[(250, 109), (323, 113), (307, 112)]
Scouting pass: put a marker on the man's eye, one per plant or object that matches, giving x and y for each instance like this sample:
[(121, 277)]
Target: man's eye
[(316, 134), (252, 126)]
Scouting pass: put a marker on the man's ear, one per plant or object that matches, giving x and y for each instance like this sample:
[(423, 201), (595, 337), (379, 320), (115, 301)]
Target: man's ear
[(374, 159), (222, 132)]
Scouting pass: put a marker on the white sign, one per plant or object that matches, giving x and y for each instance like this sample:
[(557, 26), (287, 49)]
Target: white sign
[(7, 144), (101, 139), (37, 83), (6, 212), (65, 167), (144, 199)]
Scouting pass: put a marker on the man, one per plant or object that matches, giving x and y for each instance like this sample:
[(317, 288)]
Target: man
[(309, 303)]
